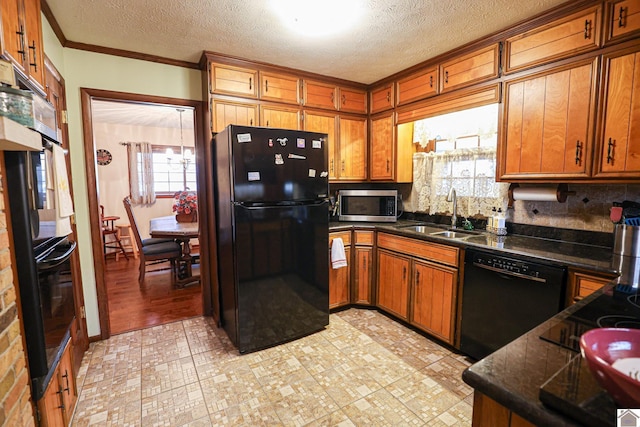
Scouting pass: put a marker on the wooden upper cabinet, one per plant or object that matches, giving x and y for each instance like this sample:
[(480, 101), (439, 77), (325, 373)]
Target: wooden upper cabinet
[(548, 123), (279, 117), (230, 80), (325, 122), (619, 144), (352, 100), (475, 67), (382, 166), (279, 88), (382, 98), (22, 38), (565, 37), (319, 95), (624, 19), (352, 154), (226, 113), (417, 86)]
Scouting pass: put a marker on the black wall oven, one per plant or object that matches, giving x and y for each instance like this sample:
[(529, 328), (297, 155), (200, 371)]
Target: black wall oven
[(42, 265)]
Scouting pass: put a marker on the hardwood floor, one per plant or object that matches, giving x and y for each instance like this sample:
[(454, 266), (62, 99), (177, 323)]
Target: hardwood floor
[(132, 308)]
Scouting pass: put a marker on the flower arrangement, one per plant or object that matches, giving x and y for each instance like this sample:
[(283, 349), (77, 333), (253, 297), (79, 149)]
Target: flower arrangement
[(185, 202)]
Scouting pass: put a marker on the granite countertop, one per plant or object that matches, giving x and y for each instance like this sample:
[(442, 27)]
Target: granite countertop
[(513, 375), (595, 258)]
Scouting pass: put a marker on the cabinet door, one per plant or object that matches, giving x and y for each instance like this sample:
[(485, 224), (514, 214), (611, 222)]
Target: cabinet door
[(340, 280), (562, 38), (233, 113), (13, 42), (280, 88), (277, 117), (51, 405), (362, 277), (33, 38), (624, 18), (418, 86), (67, 383), (325, 123), (475, 67), (382, 98), (548, 123), (226, 79), (320, 95), (353, 149), (382, 148), (434, 300), (353, 101), (620, 143), (393, 283)]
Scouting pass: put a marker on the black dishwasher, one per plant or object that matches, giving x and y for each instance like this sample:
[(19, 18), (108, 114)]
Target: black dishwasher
[(504, 297)]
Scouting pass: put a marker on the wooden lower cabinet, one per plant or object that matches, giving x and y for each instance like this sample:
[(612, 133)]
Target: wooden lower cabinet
[(434, 299), (59, 400), (363, 266), (340, 278), (418, 282), (393, 283), (489, 413), (584, 283)]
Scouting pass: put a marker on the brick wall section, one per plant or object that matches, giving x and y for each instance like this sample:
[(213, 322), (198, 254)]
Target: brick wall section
[(15, 394)]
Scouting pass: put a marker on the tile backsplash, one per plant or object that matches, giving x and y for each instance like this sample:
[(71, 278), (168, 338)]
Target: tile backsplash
[(588, 209)]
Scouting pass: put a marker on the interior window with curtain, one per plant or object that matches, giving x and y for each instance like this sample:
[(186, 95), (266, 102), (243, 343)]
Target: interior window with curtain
[(141, 176), (461, 153)]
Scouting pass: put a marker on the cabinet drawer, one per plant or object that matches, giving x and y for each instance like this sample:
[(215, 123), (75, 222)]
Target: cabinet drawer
[(234, 80), (363, 237), (353, 100), (382, 98), (280, 88), (427, 250), (418, 86), (344, 235), (565, 37), (624, 18), (472, 68)]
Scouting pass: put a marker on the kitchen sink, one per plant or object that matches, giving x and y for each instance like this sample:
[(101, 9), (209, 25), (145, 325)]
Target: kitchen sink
[(425, 229), (453, 234), (434, 230)]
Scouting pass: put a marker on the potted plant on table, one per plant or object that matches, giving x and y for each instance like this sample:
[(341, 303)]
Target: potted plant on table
[(185, 205)]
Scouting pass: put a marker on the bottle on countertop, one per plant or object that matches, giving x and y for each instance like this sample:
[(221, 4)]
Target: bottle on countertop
[(500, 221), (491, 219)]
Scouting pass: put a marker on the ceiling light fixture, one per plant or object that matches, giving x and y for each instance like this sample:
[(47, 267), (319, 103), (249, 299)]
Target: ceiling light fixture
[(317, 18), (185, 154)]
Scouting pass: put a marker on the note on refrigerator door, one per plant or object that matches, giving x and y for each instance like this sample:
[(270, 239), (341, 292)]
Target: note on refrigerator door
[(244, 137), (316, 143), (253, 176)]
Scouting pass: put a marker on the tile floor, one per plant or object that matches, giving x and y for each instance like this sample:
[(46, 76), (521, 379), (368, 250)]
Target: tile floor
[(364, 370)]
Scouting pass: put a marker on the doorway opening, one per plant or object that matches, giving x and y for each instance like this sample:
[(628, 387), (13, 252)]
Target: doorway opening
[(114, 121)]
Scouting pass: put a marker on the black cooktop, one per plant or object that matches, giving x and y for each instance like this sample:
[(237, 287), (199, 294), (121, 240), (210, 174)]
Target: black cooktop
[(573, 390)]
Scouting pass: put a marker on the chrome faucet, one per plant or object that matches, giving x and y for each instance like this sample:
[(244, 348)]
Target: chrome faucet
[(452, 198)]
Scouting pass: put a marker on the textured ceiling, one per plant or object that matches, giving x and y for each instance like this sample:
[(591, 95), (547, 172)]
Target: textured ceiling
[(392, 35), (134, 114)]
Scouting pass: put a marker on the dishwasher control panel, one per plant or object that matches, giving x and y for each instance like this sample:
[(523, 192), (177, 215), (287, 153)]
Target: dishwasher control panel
[(508, 265)]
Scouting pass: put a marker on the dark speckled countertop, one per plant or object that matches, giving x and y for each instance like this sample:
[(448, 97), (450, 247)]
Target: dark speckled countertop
[(596, 258)]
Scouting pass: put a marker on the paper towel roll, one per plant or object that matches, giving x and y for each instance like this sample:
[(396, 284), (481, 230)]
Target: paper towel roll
[(540, 194)]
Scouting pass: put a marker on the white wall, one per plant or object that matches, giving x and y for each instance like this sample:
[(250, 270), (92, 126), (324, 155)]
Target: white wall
[(82, 69)]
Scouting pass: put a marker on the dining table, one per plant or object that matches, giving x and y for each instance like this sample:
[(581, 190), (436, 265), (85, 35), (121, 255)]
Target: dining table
[(182, 232)]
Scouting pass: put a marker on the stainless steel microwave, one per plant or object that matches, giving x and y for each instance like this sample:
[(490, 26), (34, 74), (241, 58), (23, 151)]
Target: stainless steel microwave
[(368, 205)]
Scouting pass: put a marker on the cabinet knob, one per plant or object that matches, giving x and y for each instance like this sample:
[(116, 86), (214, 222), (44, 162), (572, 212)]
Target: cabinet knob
[(250, 83), (446, 76), (431, 81), (21, 50), (610, 147), (389, 96), (387, 165), (587, 29), (344, 99), (32, 48), (417, 278), (578, 152), (404, 273), (266, 85), (622, 17)]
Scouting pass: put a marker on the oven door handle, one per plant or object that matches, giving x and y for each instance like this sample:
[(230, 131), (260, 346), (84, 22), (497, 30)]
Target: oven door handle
[(510, 273), (49, 263)]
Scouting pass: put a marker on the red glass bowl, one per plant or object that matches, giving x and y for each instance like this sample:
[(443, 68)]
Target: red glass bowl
[(603, 346)]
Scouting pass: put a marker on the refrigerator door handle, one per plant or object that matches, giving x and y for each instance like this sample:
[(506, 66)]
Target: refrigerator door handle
[(264, 206)]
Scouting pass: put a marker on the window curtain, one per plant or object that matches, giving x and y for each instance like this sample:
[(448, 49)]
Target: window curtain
[(141, 173), (470, 171)]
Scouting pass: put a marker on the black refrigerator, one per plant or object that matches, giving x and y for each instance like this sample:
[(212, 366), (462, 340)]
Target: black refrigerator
[(272, 218)]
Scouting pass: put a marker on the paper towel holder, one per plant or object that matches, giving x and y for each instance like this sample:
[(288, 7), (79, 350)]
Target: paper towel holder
[(562, 191)]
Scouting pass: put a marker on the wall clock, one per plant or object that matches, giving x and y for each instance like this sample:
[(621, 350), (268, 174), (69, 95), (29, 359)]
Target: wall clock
[(103, 156)]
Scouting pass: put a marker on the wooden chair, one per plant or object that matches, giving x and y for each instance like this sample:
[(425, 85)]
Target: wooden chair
[(109, 229), (153, 250)]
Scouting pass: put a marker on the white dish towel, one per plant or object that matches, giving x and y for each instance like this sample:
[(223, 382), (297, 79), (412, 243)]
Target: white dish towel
[(64, 203), (338, 257)]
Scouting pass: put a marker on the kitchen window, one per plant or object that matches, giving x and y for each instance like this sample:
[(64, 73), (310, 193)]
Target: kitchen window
[(459, 151)]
